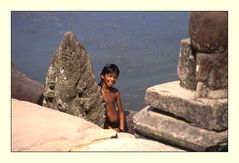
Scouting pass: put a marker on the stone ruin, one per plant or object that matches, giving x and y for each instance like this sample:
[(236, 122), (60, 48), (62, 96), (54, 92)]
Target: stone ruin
[(70, 84), (192, 113)]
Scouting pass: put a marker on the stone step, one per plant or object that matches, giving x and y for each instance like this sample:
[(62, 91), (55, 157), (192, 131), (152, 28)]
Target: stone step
[(170, 130), (170, 97)]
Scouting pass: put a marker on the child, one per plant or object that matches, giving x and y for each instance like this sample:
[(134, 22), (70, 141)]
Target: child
[(114, 118)]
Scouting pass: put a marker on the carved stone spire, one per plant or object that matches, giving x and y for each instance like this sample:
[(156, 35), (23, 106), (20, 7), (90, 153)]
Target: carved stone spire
[(70, 84)]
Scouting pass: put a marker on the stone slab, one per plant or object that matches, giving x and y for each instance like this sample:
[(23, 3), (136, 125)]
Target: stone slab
[(178, 133), (127, 144), (170, 97), (123, 135), (36, 128), (129, 121)]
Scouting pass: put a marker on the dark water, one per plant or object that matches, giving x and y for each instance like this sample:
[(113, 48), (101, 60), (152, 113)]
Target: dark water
[(145, 45)]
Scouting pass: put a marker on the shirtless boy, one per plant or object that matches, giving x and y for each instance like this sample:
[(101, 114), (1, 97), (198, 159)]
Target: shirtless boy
[(112, 99)]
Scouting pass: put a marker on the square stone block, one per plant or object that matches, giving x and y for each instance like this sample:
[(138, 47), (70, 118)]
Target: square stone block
[(212, 70), (170, 97), (186, 68)]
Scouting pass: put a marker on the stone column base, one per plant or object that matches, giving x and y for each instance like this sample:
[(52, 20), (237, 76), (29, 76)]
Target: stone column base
[(170, 97), (178, 133)]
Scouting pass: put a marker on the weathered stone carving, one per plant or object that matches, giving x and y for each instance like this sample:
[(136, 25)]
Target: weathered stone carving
[(202, 64), (192, 113), (205, 73), (186, 68), (212, 70), (70, 83)]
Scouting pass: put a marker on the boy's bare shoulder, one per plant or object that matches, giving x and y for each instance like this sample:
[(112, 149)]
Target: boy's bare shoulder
[(114, 90)]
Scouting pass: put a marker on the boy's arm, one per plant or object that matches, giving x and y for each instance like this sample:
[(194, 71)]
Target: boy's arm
[(121, 111)]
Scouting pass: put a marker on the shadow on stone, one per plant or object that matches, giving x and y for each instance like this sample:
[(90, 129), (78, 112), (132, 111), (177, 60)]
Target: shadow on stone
[(25, 89)]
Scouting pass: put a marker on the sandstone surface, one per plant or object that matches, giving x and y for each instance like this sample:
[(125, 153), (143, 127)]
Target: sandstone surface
[(164, 128), (212, 70), (211, 114), (186, 68), (129, 125), (128, 144), (36, 128)]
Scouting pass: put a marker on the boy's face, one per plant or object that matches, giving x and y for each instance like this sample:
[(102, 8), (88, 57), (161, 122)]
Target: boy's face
[(109, 79)]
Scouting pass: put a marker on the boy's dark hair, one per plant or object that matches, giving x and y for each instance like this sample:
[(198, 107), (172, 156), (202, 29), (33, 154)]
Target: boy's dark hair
[(108, 69)]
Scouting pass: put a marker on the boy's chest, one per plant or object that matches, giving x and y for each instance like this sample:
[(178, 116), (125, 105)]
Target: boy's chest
[(109, 97)]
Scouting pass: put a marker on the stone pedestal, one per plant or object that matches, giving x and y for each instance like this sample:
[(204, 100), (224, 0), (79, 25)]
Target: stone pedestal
[(192, 113), (176, 116), (176, 132), (180, 102)]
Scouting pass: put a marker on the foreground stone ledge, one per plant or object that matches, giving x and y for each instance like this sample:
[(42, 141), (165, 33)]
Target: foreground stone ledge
[(126, 144), (123, 135), (211, 114), (35, 128), (177, 132)]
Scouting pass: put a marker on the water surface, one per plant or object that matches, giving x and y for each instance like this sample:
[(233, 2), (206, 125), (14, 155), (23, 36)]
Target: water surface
[(144, 45)]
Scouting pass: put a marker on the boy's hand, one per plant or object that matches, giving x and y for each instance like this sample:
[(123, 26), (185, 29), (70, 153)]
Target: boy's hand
[(118, 130), (122, 129)]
